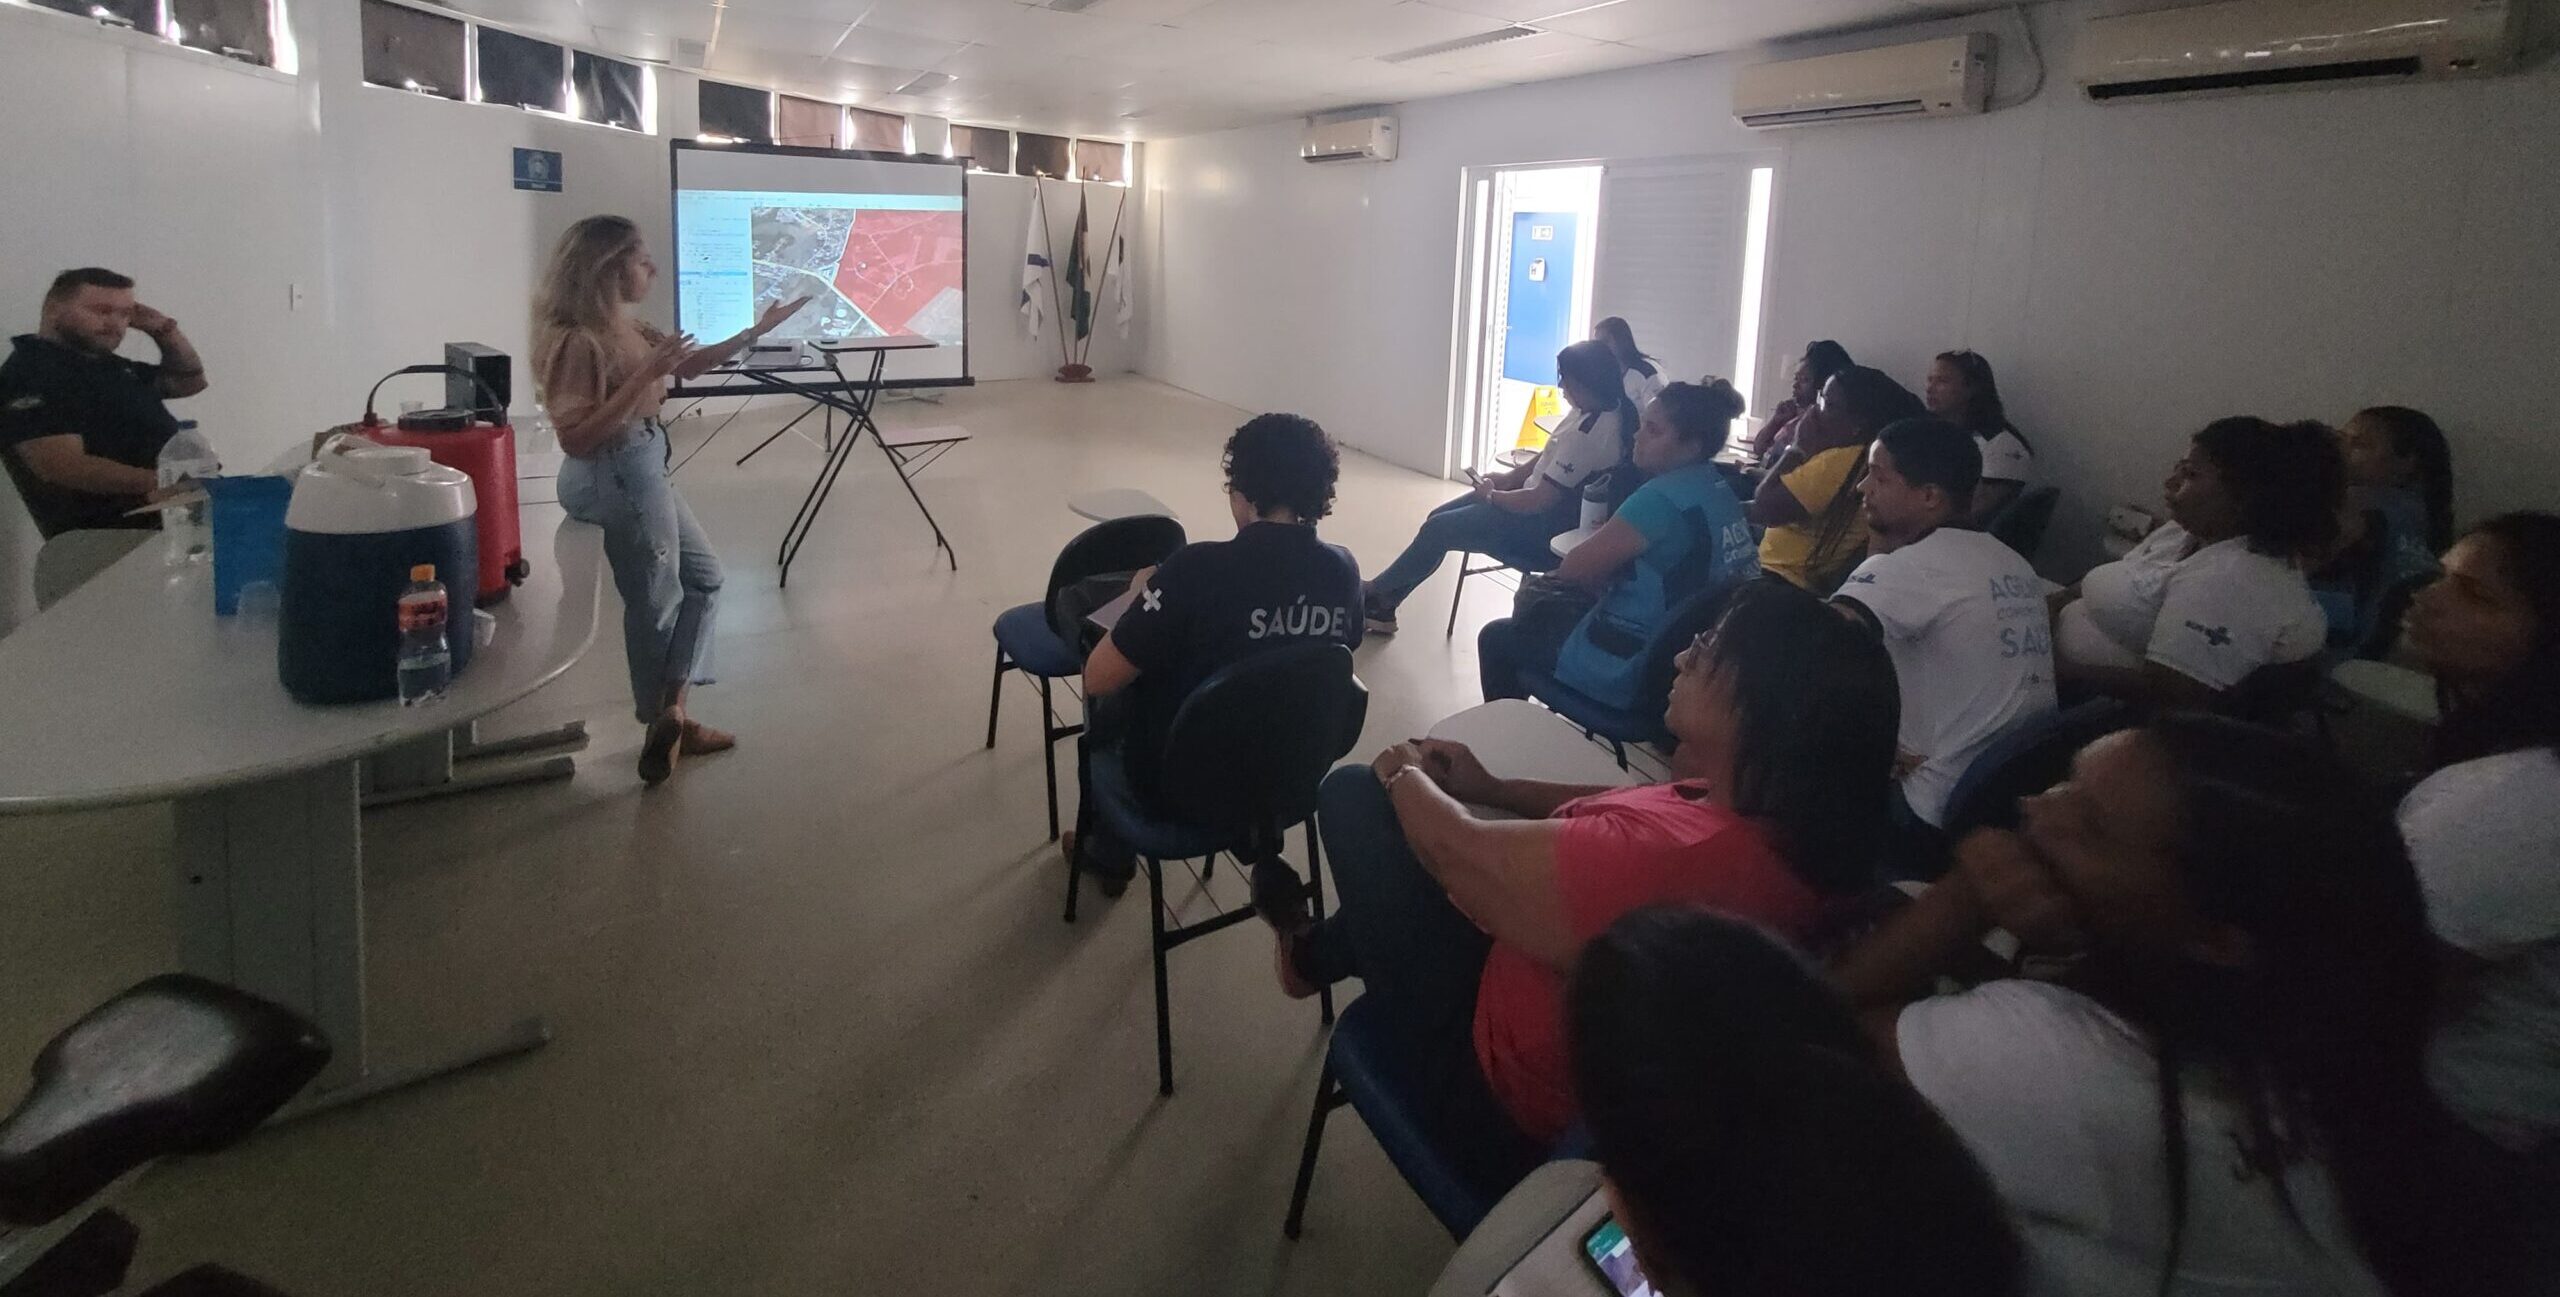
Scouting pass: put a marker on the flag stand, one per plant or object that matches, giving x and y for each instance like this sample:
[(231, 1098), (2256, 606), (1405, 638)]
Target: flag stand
[(1074, 370), (1049, 242), (1100, 287)]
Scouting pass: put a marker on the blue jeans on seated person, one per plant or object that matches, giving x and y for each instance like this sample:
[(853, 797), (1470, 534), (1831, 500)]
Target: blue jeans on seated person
[(662, 564), (1468, 525), (1418, 960)]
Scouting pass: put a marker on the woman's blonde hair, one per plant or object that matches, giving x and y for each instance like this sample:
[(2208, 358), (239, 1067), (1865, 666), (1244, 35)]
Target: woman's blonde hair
[(581, 289)]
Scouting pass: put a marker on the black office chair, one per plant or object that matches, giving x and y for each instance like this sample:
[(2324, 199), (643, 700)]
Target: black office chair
[(2279, 695), (177, 1064), (1241, 766), (1027, 638), (2021, 525)]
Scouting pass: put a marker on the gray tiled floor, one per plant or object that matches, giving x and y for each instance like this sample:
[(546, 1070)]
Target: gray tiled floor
[(820, 1029)]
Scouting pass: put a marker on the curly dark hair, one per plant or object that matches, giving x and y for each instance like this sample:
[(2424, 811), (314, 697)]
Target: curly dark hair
[(1283, 461), (2288, 479)]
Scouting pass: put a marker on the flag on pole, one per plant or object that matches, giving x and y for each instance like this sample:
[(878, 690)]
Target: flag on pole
[(1123, 307), (1036, 284), (1080, 274)]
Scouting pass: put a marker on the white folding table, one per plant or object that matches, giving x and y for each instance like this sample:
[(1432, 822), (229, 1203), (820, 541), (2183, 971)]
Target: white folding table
[(132, 690)]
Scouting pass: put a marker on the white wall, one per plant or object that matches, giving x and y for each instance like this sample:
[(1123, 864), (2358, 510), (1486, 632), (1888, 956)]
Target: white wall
[(2132, 270), (220, 187)]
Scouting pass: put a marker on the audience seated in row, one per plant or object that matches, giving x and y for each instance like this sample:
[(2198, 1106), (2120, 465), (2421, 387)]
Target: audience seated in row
[(1750, 1142), (1962, 390), (2397, 518), (2218, 591), (1212, 603), (1962, 615), (1462, 922), (2221, 1090), (1681, 532), (1511, 515), (1821, 360), (2483, 834), (1643, 377), (1807, 499)]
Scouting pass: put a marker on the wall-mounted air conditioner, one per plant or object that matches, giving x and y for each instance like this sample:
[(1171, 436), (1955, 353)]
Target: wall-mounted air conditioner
[(1351, 139), (2245, 45), (1937, 78)]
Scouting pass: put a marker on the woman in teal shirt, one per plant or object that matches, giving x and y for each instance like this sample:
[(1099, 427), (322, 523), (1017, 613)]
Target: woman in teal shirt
[(1681, 532)]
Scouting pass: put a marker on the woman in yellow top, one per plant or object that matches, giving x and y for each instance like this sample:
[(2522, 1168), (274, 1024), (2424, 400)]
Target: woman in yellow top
[(1808, 500)]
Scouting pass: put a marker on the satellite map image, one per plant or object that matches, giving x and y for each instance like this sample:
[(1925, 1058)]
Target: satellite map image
[(872, 272)]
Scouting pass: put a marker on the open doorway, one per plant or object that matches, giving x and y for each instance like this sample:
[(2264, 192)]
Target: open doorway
[(1530, 239), (1679, 247)]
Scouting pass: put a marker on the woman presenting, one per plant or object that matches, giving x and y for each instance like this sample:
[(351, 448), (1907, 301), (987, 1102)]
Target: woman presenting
[(602, 375)]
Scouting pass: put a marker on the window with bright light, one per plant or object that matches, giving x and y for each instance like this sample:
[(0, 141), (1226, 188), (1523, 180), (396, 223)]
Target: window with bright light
[(141, 15), (126, 14), (1103, 160), (736, 112), (1041, 155), (1755, 279), (237, 29), (522, 72), (408, 49), (808, 123), (986, 148), (609, 92), (878, 131)]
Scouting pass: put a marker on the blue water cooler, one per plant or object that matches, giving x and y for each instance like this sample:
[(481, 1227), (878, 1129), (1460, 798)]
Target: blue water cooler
[(362, 516)]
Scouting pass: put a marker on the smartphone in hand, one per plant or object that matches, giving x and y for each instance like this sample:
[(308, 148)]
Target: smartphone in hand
[(1474, 478)]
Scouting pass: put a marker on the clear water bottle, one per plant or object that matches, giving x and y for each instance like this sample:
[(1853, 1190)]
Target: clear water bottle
[(426, 660), (186, 530)]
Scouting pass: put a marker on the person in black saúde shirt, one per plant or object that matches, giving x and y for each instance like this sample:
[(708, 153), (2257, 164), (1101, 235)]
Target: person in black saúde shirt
[(1216, 602), (81, 427)]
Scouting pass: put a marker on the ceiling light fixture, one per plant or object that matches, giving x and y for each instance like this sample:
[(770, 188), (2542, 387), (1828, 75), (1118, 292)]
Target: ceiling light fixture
[(925, 84), (1583, 9), (1512, 32), (1070, 6)]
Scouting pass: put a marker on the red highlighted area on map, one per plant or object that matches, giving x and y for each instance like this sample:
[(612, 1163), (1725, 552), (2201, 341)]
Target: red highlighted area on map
[(898, 264), (869, 271)]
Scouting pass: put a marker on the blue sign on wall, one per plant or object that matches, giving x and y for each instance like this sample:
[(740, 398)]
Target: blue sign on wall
[(538, 170), (1537, 312)]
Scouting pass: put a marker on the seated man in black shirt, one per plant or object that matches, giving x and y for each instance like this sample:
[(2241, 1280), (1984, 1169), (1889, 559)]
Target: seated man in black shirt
[(80, 426), (1215, 602)]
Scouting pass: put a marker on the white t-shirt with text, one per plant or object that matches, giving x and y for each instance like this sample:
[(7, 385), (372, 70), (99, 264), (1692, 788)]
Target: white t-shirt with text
[(2213, 616), (2058, 1099), (2486, 841), (1581, 446), (1964, 619)]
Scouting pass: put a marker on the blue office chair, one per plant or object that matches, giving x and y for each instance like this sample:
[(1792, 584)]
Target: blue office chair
[(2021, 525), (1240, 769), (1365, 1068), (2032, 757), (1027, 639), (1640, 721)]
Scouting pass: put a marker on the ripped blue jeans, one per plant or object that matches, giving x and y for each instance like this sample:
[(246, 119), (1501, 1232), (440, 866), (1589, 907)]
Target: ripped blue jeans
[(662, 564)]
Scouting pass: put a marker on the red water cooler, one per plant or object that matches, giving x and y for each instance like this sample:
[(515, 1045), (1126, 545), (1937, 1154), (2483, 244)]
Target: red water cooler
[(483, 449)]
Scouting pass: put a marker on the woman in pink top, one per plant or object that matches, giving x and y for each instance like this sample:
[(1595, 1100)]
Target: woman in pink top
[(1464, 927)]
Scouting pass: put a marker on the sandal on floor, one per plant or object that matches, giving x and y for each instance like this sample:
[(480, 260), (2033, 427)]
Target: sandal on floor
[(701, 740), (659, 750)]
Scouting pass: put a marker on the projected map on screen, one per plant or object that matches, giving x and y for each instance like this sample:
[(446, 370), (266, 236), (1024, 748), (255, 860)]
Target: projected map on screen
[(873, 264), (871, 271)]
